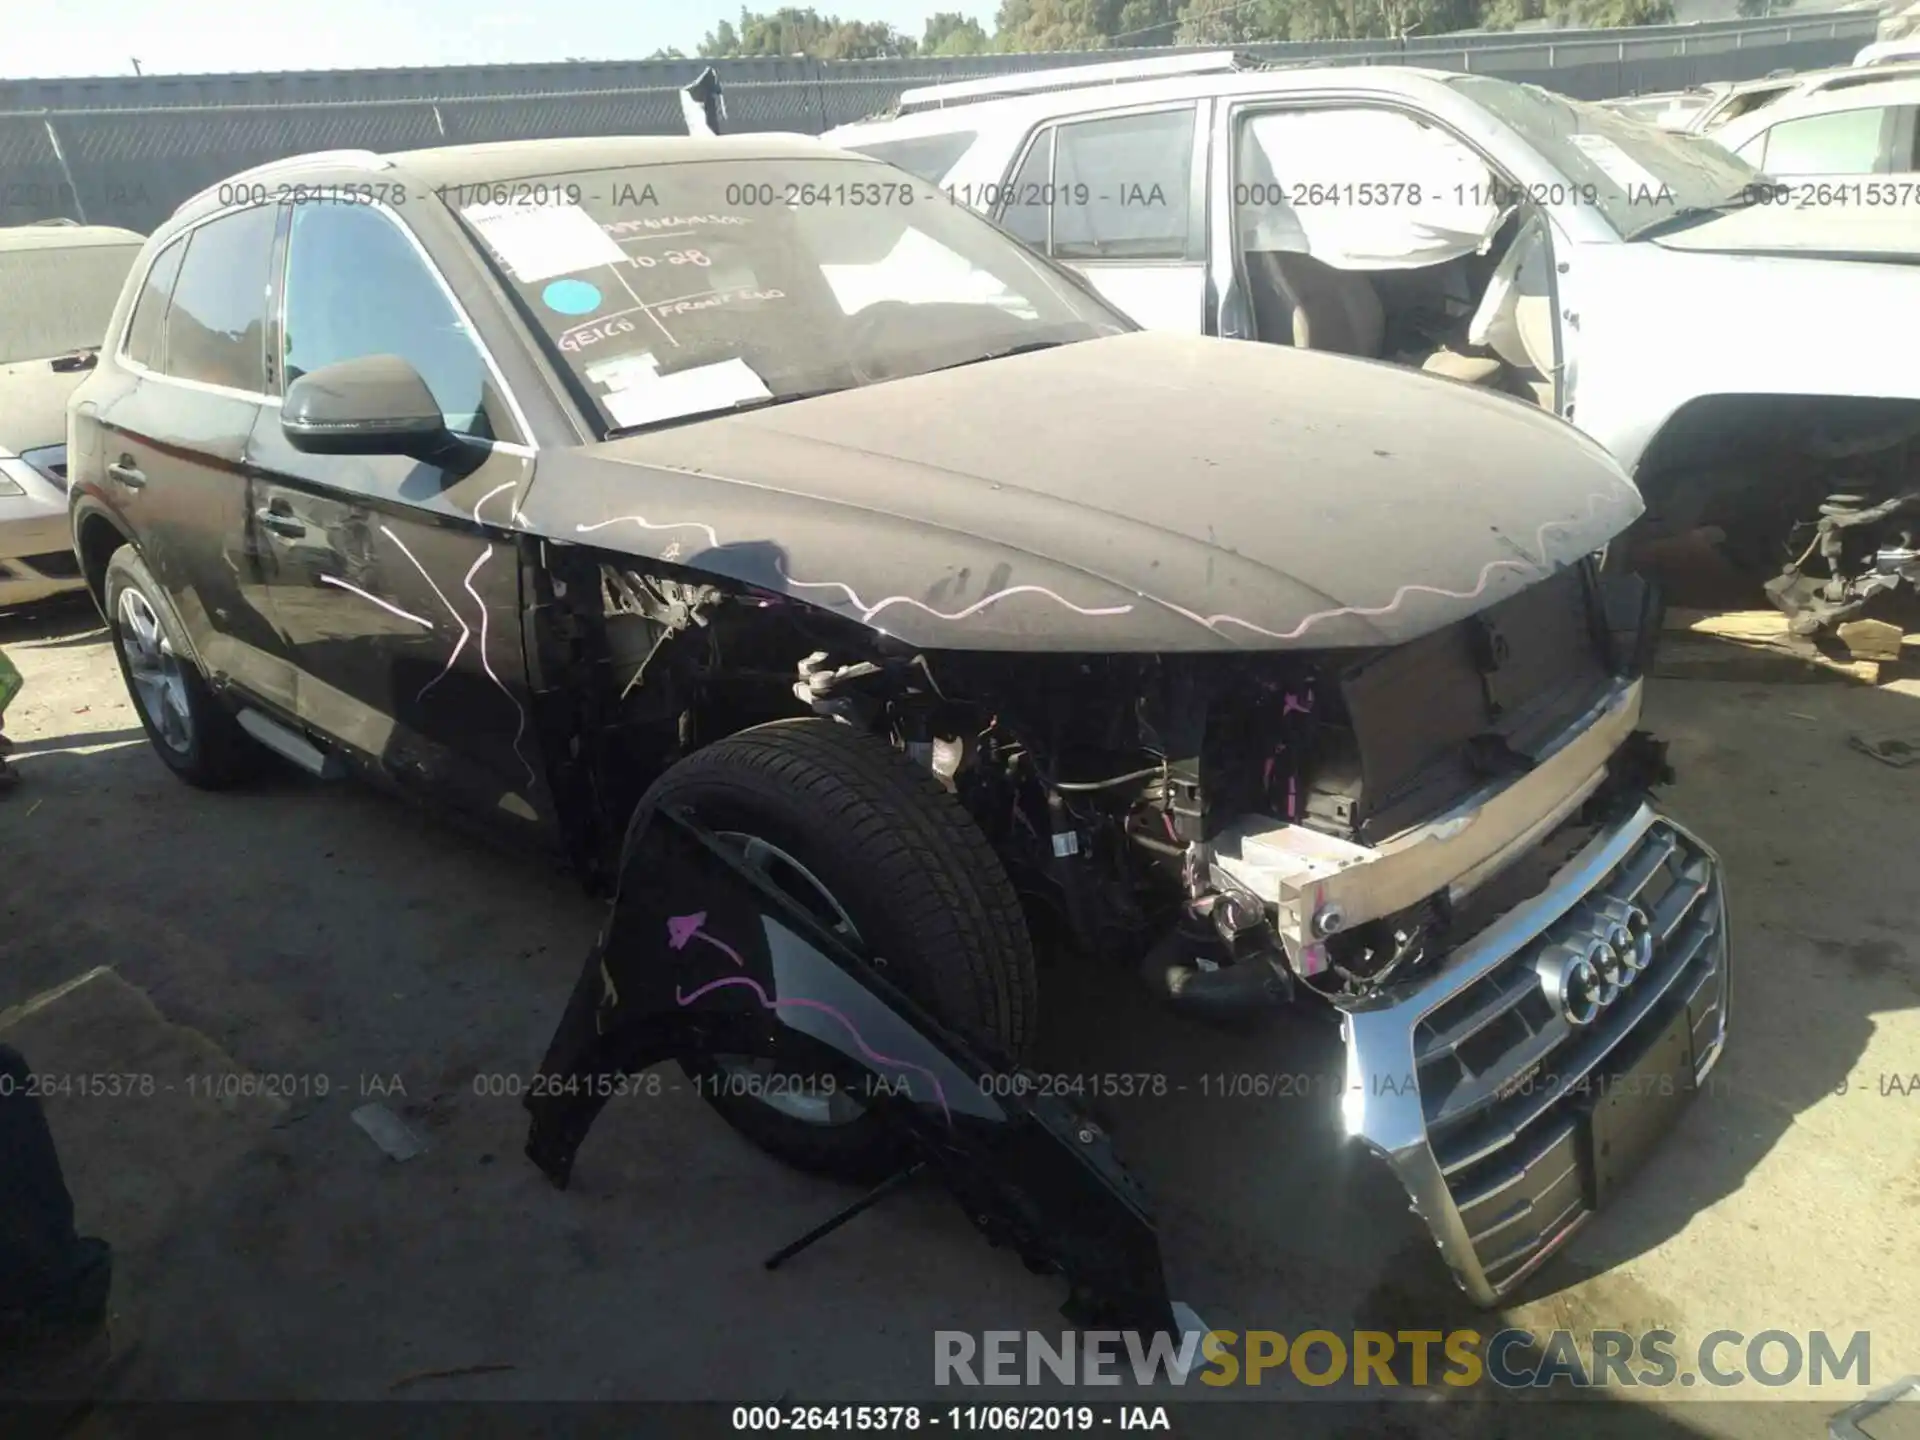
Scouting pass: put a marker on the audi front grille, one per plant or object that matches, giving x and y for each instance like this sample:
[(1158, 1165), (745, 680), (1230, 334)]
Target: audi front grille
[(1516, 1090)]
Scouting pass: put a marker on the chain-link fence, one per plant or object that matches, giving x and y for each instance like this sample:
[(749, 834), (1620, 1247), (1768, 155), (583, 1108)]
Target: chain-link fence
[(127, 150)]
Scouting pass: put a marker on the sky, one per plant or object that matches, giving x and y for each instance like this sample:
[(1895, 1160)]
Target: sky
[(190, 37)]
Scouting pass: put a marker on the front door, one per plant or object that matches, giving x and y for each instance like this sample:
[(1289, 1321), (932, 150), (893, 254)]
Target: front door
[(397, 581), (173, 443), (1374, 231), (1121, 198)]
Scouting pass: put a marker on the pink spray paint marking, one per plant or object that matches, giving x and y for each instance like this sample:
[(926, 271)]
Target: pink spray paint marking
[(682, 928)]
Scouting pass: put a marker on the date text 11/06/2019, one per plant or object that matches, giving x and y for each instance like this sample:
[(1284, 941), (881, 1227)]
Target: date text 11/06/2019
[(961, 1419)]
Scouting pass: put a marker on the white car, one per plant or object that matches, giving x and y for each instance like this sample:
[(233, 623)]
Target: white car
[(1676, 110), (1863, 129), (1744, 360), (1739, 101), (1883, 52), (58, 283)]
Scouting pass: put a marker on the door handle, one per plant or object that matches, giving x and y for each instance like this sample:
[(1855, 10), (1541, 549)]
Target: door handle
[(127, 473), (280, 523)]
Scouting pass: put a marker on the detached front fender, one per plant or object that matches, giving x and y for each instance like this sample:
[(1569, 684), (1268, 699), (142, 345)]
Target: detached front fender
[(701, 956)]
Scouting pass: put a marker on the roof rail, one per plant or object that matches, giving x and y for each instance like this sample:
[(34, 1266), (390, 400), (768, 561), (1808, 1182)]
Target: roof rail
[(365, 159), (958, 92)]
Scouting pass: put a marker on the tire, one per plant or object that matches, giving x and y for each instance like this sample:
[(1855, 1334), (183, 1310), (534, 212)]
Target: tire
[(194, 735), (905, 864)]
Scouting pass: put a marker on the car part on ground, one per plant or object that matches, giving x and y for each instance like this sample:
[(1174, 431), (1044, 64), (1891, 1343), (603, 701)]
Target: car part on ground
[(1851, 1423), (1867, 550), (1226, 679)]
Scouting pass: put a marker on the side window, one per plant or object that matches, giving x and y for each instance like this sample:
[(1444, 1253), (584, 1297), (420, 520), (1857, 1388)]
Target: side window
[(144, 330), (356, 286), (1845, 143), (1025, 215), (1121, 187), (216, 325), (1746, 104)]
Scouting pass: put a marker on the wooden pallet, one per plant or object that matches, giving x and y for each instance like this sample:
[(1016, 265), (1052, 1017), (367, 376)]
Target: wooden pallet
[(1756, 645)]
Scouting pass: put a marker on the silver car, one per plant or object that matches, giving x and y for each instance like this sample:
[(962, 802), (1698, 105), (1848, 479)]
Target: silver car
[(58, 283)]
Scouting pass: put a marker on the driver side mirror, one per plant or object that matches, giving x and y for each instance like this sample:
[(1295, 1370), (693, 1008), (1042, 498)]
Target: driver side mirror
[(374, 405)]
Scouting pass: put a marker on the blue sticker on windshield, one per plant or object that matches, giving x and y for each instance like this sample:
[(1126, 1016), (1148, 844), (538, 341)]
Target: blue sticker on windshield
[(571, 297)]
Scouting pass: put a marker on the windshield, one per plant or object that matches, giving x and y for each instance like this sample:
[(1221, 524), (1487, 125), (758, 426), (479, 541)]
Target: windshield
[(1634, 174), (57, 299), (669, 291)]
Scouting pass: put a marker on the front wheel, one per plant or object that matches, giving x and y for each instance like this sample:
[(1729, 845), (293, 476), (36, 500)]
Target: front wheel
[(871, 844), (196, 737)]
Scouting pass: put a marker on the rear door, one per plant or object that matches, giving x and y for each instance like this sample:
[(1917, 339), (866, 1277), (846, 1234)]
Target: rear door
[(174, 442), (396, 581), (1121, 197)]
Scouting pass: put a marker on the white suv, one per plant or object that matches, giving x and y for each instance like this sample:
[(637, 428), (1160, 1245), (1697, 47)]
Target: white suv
[(1743, 358)]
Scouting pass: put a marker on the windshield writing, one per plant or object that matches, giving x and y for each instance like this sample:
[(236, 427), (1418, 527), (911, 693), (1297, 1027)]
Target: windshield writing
[(678, 290)]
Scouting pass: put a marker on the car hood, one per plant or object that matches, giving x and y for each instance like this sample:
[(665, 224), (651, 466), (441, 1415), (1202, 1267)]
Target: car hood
[(33, 404), (1148, 491), (1803, 228)]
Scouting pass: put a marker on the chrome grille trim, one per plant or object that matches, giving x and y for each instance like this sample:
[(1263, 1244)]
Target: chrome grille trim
[(1486, 1159)]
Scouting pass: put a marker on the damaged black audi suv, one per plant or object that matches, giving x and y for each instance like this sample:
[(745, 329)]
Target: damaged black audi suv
[(856, 596)]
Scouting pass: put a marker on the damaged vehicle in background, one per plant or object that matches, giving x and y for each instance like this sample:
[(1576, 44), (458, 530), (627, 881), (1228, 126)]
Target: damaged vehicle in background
[(1748, 358), (1838, 143), (1669, 109), (1745, 100), (58, 284), (604, 503)]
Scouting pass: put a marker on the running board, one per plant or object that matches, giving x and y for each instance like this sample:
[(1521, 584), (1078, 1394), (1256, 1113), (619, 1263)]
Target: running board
[(290, 745)]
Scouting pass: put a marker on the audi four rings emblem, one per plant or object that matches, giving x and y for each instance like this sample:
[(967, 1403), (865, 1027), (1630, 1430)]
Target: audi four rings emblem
[(1583, 975)]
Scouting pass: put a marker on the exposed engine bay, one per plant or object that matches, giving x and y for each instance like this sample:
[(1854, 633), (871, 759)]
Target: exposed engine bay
[(1448, 841), (1233, 826)]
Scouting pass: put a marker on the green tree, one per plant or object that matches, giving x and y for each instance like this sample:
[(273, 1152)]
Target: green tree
[(1086, 24), (721, 41), (1505, 14), (1009, 22), (792, 30), (1221, 22), (1605, 14), (951, 33)]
